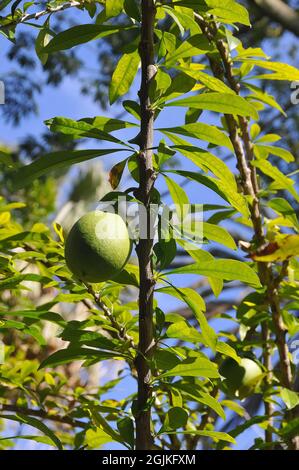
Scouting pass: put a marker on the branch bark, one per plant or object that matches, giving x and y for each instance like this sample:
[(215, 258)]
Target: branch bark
[(280, 12), (243, 147), (36, 16), (144, 440)]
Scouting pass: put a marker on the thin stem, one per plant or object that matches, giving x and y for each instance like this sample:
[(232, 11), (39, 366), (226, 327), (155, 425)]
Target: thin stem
[(269, 409), (120, 329), (144, 440), (36, 16)]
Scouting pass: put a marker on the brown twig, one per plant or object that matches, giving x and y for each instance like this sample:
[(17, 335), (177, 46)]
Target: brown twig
[(144, 440), (120, 329), (36, 16), (240, 137)]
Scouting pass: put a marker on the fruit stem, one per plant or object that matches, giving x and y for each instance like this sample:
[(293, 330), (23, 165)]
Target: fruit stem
[(144, 439)]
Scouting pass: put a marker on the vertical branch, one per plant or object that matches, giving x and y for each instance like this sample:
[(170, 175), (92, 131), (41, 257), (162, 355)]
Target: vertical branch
[(268, 366), (145, 245), (243, 147)]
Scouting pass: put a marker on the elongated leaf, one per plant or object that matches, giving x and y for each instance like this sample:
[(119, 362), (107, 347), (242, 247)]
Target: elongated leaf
[(196, 394), (230, 270), (281, 181), (37, 424), (181, 330), (197, 305), (113, 7), (64, 356), (15, 281), (123, 75), (218, 234), (219, 102), (179, 197), (210, 82), (282, 71), (52, 317), (216, 435), (283, 207), (80, 129), (81, 34), (55, 161), (203, 159), (195, 45), (176, 417), (228, 11), (202, 131), (278, 151), (290, 398), (193, 367)]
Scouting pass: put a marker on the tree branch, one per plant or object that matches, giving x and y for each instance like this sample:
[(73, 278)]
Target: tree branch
[(144, 440), (39, 14), (120, 329), (280, 12), (243, 148)]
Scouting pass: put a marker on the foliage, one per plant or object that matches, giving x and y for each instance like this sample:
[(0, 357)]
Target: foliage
[(57, 330)]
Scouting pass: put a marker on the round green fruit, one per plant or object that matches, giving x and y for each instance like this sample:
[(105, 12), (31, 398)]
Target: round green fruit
[(98, 246), (240, 379)]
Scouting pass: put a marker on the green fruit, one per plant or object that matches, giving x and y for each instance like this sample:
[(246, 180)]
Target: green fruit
[(240, 379), (98, 246)]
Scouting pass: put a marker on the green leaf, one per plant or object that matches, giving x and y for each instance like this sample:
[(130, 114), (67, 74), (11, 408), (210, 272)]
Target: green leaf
[(38, 315), (179, 197), (225, 103), (266, 150), (204, 160), (54, 161), (197, 305), (102, 423), (210, 82), (216, 435), (219, 235), (81, 129), (15, 281), (281, 181), (123, 75), (282, 71), (202, 131), (128, 276), (81, 34), (230, 270), (71, 354), (283, 207), (125, 427), (227, 350), (175, 418), (228, 11), (35, 423), (264, 97), (133, 108), (250, 422), (97, 438), (196, 394), (194, 46), (113, 8), (192, 367), (181, 330), (43, 38), (290, 398)]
